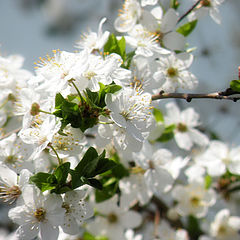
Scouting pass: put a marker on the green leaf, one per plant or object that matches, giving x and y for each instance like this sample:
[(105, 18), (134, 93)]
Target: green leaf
[(187, 28), (167, 134), (110, 188), (44, 181), (158, 115), (61, 172), (88, 157), (122, 47), (94, 183), (129, 57), (208, 181), (89, 236), (120, 171), (116, 46), (58, 100), (193, 227), (104, 89), (77, 181), (104, 164), (235, 85)]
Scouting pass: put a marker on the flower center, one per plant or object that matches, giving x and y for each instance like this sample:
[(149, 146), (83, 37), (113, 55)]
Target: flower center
[(89, 75), (159, 36), (126, 115), (40, 214), (66, 207), (11, 159), (195, 201), (222, 231), (182, 127), (9, 194), (35, 109), (226, 161), (112, 218), (172, 72)]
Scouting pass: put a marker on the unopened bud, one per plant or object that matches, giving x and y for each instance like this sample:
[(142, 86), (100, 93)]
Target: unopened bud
[(172, 214), (11, 97), (35, 109)]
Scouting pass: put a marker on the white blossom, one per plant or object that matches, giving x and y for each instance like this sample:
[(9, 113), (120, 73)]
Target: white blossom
[(185, 133), (40, 215)]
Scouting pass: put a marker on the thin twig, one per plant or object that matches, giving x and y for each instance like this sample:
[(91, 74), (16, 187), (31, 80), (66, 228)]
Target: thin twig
[(226, 95), (189, 11), (10, 133)]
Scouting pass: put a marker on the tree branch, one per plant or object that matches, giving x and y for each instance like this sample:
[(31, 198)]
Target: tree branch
[(189, 11), (226, 95)]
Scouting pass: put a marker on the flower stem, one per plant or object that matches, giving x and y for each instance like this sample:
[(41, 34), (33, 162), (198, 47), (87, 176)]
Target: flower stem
[(4, 103), (79, 94), (59, 159), (45, 112)]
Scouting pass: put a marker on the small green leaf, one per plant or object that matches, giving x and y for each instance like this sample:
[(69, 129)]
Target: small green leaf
[(61, 172), (88, 157), (94, 183), (89, 236), (158, 115), (193, 227), (104, 164), (108, 191), (122, 48), (167, 134), (116, 46), (58, 100), (235, 85), (129, 57), (208, 181), (44, 181), (187, 28), (77, 181)]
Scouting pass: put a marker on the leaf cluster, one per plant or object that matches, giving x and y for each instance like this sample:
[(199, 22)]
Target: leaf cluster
[(110, 180), (83, 111), (113, 45), (85, 172)]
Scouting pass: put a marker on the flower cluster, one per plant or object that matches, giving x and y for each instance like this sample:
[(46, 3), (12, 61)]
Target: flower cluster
[(85, 152)]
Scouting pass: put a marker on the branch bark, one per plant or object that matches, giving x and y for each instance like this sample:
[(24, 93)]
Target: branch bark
[(226, 95), (189, 11)]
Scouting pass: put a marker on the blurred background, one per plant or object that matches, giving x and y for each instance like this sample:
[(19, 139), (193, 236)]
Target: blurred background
[(32, 28)]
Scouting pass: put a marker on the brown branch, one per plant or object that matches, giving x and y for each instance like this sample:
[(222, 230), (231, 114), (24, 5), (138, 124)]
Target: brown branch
[(189, 11), (226, 95)]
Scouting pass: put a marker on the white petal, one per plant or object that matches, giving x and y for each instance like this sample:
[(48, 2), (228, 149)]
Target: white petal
[(169, 20), (8, 176), (47, 231), (27, 231), (198, 137), (130, 219), (183, 140), (174, 41)]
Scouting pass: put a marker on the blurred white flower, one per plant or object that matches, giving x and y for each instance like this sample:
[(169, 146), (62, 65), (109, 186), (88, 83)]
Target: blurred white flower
[(185, 133), (193, 199)]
